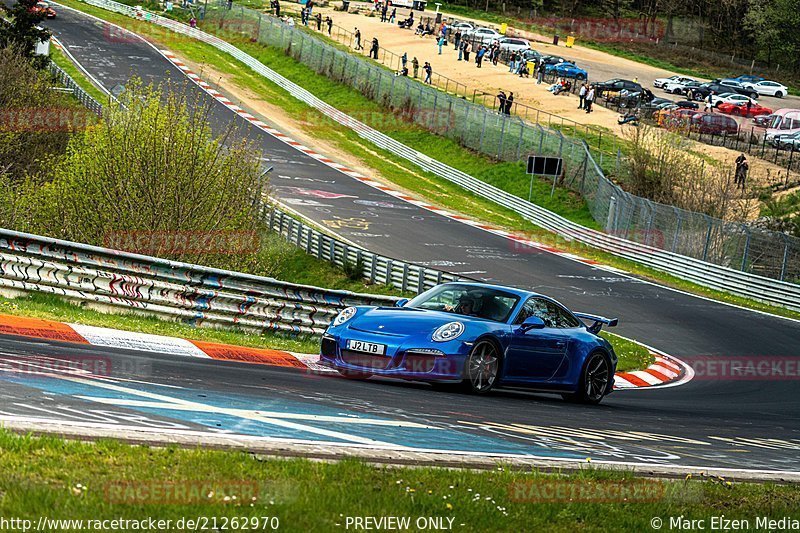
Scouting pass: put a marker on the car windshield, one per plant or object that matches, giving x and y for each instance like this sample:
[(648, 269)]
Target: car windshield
[(468, 300)]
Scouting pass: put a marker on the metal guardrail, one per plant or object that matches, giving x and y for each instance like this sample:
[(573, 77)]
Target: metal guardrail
[(83, 97), (703, 273), (373, 267), (191, 293)]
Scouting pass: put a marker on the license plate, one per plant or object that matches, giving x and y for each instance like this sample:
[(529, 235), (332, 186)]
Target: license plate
[(366, 347)]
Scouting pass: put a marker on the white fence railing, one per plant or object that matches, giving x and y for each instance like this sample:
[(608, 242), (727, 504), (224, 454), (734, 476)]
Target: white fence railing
[(695, 270)]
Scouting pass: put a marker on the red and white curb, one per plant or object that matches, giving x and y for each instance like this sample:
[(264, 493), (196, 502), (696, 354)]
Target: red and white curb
[(666, 371), (130, 340)]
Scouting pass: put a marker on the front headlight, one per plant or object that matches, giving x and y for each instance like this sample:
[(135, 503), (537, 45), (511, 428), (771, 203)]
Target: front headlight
[(344, 315), (448, 332)]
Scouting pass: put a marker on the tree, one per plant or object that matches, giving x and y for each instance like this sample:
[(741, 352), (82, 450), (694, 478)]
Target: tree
[(152, 169), (774, 26), (22, 31)]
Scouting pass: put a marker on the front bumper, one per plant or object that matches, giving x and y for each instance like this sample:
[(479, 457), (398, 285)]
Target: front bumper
[(441, 362)]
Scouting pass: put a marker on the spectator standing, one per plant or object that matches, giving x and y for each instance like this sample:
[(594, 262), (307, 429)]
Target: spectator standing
[(309, 6), (440, 43), (539, 73), (373, 52), (709, 102), (460, 49), (501, 99), (495, 54), (457, 39), (393, 15), (479, 56), (512, 62), (467, 50), (277, 8), (589, 99), (415, 66), (428, 72), (329, 21), (749, 106), (509, 103), (383, 11), (358, 40), (742, 166), (582, 96), (318, 18), (404, 59)]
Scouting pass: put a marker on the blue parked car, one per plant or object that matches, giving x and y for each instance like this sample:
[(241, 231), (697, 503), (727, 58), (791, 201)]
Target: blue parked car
[(477, 337), (567, 70)]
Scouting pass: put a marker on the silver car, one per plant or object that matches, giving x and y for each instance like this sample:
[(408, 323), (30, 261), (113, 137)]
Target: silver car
[(485, 35), (514, 44)]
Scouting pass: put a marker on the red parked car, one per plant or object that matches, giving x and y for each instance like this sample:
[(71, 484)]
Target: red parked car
[(742, 111), (714, 124)]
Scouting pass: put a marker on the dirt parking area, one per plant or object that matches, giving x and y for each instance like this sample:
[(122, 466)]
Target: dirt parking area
[(492, 79)]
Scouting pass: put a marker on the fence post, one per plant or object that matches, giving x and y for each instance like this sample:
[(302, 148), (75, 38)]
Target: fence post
[(708, 237), (786, 245), (483, 131), (519, 142), (502, 136), (677, 228), (746, 247)]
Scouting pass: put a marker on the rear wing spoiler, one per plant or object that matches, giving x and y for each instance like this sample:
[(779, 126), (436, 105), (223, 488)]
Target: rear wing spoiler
[(598, 321)]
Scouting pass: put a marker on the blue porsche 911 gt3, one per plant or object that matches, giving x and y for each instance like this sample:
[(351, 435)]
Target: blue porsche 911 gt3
[(479, 336)]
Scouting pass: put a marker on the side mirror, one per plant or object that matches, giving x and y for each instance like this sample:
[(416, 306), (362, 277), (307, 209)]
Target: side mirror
[(532, 322), (401, 302)]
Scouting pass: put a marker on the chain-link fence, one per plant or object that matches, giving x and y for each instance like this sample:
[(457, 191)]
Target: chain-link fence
[(510, 138)]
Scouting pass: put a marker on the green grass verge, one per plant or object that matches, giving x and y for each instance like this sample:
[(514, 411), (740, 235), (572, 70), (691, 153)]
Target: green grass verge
[(632, 355), (398, 171), (59, 58), (59, 479)]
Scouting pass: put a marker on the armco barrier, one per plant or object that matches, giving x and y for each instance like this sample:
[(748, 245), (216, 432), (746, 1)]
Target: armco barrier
[(375, 268), (191, 293), (703, 273)]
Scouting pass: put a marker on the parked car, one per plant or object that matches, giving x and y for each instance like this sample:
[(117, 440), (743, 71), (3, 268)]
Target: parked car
[(784, 122), (464, 27), (742, 110), (729, 98), (675, 118), (762, 121), (677, 86), (768, 88), (44, 8), (788, 142), (513, 44), (552, 60), (616, 85), (660, 82), (567, 70), (484, 35), (531, 55), (714, 124), (747, 78), (701, 91)]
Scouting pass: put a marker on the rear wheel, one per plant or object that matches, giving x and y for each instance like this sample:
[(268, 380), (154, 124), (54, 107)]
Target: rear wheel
[(779, 94), (594, 380), (482, 367)]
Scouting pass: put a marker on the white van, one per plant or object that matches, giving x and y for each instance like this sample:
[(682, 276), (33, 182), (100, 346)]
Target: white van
[(783, 122)]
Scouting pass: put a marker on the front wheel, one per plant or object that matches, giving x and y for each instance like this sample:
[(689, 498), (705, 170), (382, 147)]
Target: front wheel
[(778, 94), (594, 380), (482, 367)]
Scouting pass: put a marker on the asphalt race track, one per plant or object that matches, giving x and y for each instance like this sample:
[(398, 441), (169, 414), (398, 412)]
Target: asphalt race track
[(747, 423)]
